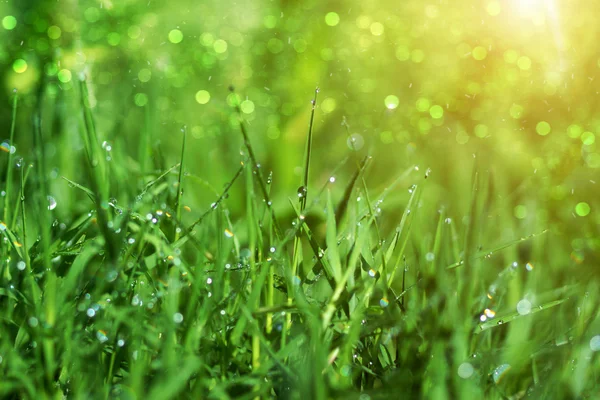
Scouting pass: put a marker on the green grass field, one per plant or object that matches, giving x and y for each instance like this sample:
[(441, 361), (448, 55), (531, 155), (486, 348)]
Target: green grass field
[(299, 201)]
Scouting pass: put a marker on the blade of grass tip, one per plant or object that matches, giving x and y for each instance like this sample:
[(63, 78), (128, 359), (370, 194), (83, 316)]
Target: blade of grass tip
[(404, 231), (15, 215), (503, 246), (303, 191), (81, 187), (9, 167), (99, 179), (255, 165), (437, 242), (331, 239), (180, 186), (158, 179), (255, 247), (270, 289), (501, 320), (391, 188), (470, 232), (35, 289), (369, 204), (41, 200), (302, 194), (219, 200), (343, 206)]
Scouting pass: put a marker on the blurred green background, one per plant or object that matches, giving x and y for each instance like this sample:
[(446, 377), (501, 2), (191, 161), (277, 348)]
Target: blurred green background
[(437, 84)]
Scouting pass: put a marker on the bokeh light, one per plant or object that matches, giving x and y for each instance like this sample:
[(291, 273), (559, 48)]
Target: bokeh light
[(9, 22)]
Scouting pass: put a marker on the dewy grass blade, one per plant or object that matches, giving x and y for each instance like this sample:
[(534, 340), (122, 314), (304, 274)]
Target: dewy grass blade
[(9, 167), (178, 205), (504, 319), (403, 230), (97, 169), (256, 167), (303, 191), (493, 250)]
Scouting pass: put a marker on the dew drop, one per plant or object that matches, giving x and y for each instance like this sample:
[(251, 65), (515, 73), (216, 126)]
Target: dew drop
[(465, 370), (529, 266), (524, 307), (384, 302), (595, 343), (51, 203), (101, 336), (301, 192), (178, 318), (6, 147), (500, 372)]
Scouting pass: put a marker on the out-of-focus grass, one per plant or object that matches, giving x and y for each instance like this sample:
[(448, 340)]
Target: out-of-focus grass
[(417, 233)]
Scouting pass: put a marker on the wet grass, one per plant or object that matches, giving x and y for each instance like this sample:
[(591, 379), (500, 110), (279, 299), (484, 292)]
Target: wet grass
[(131, 293)]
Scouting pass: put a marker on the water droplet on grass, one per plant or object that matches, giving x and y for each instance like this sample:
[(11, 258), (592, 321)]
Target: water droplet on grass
[(101, 336), (178, 318), (355, 142), (6, 147), (301, 192), (529, 266), (524, 307), (595, 343), (51, 203), (500, 372), (111, 275), (465, 370), (135, 301)]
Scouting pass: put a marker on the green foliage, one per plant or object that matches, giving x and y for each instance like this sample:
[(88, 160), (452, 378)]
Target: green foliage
[(424, 227)]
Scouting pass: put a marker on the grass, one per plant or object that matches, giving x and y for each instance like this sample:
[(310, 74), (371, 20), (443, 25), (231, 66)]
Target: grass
[(363, 293)]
